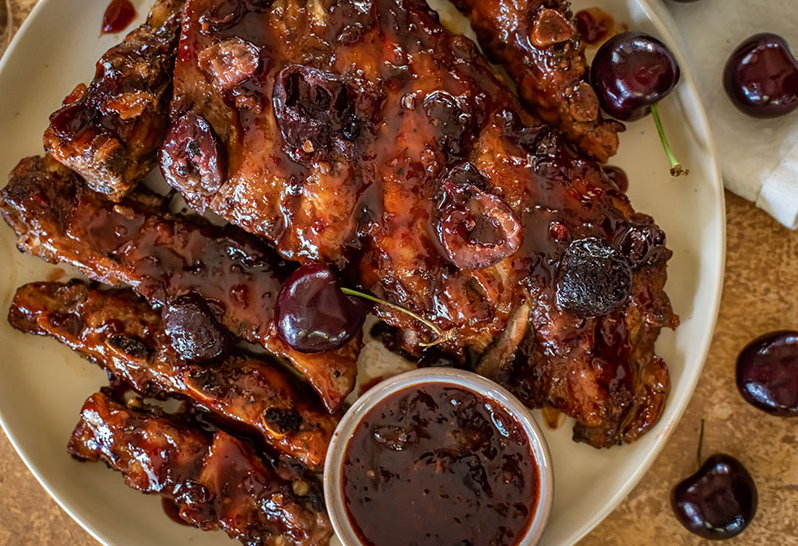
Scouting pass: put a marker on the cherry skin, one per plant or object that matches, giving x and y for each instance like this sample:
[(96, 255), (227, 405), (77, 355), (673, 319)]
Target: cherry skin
[(761, 77), (767, 373), (313, 315), (718, 501), (617, 175), (631, 72)]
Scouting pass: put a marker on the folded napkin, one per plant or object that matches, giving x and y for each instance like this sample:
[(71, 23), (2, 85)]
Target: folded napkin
[(758, 157)]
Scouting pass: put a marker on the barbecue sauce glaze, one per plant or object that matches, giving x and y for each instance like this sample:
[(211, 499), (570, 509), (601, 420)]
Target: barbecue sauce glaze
[(118, 15), (437, 465)]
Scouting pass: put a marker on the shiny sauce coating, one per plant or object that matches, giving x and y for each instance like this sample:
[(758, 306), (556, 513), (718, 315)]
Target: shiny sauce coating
[(118, 15), (439, 465)]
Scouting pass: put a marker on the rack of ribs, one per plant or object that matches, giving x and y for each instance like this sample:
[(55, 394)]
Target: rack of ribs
[(136, 242), (216, 482), (121, 333), (537, 43), (110, 131), (364, 135)]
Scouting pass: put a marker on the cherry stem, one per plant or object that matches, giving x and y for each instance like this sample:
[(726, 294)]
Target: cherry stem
[(676, 168), (441, 335), (700, 443)]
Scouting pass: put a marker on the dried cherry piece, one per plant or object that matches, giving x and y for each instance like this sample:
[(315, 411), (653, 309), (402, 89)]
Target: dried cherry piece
[(231, 61), (476, 229), (310, 105), (192, 158), (642, 243), (594, 278), (195, 333), (452, 121)]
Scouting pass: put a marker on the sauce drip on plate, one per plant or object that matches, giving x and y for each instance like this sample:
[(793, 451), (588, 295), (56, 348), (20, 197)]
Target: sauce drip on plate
[(594, 25), (118, 15), (437, 465)]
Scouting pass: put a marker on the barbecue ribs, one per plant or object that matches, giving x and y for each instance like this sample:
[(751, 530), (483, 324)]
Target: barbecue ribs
[(110, 131), (364, 135), (121, 333), (138, 243), (217, 483), (537, 42)]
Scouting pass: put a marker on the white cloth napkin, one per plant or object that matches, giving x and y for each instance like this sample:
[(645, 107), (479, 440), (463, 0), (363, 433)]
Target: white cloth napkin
[(759, 158)]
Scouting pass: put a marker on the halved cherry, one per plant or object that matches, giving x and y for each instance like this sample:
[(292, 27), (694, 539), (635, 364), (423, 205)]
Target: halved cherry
[(476, 229)]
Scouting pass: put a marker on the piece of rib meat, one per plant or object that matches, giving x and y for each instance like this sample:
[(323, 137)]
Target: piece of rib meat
[(537, 43), (364, 135), (217, 483), (162, 256), (121, 333), (110, 131)]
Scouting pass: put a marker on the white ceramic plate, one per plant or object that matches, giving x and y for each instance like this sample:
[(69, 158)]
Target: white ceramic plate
[(43, 385)]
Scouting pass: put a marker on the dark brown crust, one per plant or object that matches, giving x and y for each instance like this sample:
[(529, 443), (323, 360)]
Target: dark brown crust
[(537, 43), (137, 243), (216, 483), (110, 131), (121, 333)]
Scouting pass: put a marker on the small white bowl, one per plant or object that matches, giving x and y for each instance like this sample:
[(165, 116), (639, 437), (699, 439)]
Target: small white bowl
[(333, 491)]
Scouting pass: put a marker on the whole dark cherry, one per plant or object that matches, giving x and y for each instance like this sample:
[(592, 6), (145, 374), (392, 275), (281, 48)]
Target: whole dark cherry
[(631, 72), (313, 314), (767, 373), (718, 501), (761, 77)]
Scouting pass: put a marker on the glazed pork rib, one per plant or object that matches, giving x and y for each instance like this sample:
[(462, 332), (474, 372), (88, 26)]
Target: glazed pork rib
[(138, 243), (110, 131), (121, 333), (217, 483), (537, 43), (364, 135)]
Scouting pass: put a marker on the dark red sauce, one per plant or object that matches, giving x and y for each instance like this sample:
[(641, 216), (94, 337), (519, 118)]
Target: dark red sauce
[(439, 465), (118, 15), (594, 24)]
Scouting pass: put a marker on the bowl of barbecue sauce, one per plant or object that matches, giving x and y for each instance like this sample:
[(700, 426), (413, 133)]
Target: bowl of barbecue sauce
[(438, 457)]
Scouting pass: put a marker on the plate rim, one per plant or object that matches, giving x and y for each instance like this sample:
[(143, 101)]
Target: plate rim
[(667, 30), (663, 22)]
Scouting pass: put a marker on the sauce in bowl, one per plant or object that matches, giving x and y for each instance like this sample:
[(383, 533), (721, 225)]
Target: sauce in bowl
[(439, 464)]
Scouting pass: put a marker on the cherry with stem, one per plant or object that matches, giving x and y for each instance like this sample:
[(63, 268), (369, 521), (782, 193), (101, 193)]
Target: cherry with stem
[(631, 73)]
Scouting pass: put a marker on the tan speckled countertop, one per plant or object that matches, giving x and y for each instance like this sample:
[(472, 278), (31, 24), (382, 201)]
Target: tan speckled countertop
[(759, 295)]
